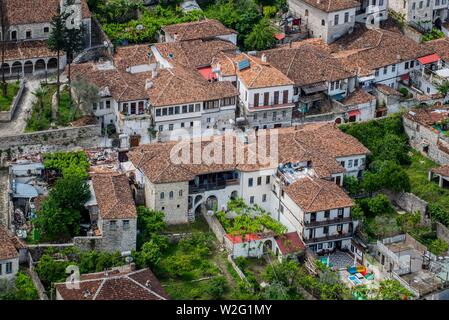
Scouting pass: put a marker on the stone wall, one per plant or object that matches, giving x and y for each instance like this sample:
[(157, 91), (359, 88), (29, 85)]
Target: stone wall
[(216, 227), (49, 141), (442, 231), (408, 202), (6, 116)]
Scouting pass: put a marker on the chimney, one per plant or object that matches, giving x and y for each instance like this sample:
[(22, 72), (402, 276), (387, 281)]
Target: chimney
[(153, 74), (148, 84), (263, 57), (132, 266), (106, 273)]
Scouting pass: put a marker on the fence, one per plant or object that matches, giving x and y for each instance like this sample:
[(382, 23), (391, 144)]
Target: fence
[(35, 278)]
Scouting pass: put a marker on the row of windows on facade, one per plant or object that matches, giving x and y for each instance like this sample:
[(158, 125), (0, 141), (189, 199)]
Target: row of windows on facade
[(8, 268), (101, 105), (319, 246), (168, 111), (351, 163), (407, 65), (171, 194), (259, 181), (113, 225), (421, 4), (133, 107), (265, 100), (171, 126), (274, 115), (337, 85), (252, 198), (28, 34)]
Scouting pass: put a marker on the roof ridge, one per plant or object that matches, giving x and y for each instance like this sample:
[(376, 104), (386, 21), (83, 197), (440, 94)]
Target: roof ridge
[(145, 287), (316, 195), (99, 289)]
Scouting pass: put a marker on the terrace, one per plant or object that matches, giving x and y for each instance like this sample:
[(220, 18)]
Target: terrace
[(291, 172), (213, 181)]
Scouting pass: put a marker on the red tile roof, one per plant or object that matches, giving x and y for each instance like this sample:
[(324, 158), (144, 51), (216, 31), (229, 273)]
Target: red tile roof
[(290, 243), (442, 170), (243, 238), (114, 196), (27, 50), (135, 285), (203, 29), (36, 11), (8, 245), (332, 5)]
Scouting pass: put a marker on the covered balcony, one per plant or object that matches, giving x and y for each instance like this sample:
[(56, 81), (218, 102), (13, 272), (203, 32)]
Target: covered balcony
[(213, 181)]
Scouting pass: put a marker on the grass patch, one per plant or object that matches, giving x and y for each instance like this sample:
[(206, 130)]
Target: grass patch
[(5, 102), (200, 225), (42, 119)]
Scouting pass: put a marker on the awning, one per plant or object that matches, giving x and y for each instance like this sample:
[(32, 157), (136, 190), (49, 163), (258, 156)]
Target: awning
[(405, 77), (315, 88), (429, 59), (353, 113), (367, 78)]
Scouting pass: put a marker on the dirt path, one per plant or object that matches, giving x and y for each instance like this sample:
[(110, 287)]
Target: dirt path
[(221, 263)]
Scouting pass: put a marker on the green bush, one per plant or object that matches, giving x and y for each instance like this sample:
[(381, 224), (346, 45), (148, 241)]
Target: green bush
[(404, 91), (216, 287)]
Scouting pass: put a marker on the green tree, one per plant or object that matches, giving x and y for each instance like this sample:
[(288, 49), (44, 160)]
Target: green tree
[(25, 289), (56, 42), (216, 287), (86, 94), (438, 247), (276, 291), (149, 256), (443, 88), (352, 185), (40, 94), (51, 271), (392, 290), (261, 37), (149, 223)]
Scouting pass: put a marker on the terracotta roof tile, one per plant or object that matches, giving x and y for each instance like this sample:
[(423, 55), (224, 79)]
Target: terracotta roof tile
[(441, 47), (135, 285), (365, 50), (204, 29), (307, 63), (8, 245), (290, 243), (258, 75), (27, 50), (359, 96), (319, 143), (387, 90), (332, 5), (313, 195), (428, 117), (442, 170), (114, 197), (36, 11)]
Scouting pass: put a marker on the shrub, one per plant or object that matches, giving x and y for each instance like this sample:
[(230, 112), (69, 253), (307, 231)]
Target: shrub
[(404, 92), (438, 247), (216, 287)]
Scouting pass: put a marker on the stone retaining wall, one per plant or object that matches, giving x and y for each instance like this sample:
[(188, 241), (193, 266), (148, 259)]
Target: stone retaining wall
[(6, 116)]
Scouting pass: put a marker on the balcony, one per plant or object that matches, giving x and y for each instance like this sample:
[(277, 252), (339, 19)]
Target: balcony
[(217, 185), (269, 105), (311, 224), (311, 97), (338, 236)]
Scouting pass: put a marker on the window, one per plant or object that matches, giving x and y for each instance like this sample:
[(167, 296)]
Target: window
[(340, 228), (162, 195), (255, 116), (161, 127), (125, 224), (266, 99), (326, 230), (177, 110), (437, 3), (46, 29), (276, 97), (170, 127), (284, 114), (259, 181), (336, 20), (385, 70), (327, 214), (158, 112), (94, 106), (323, 22), (320, 246), (113, 225), (274, 115), (8, 267), (342, 163), (250, 182), (349, 163), (346, 17), (264, 115), (28, 34), (164, 111), (356, 162), (340, 212), (420, 4), (191, 123), (211, 105), (428, 3), (13, 35), (373, 2), (406, 65), (264, 198), (414, 5), (1, 269), (191, 108), (331, 244), (108, 104), (170, 194), (412, 64), (376, 73), (267, 179), (208, 120), (251, 199), (256, 99), (285, 94), (381, 3), (170, 111), (393, 68)]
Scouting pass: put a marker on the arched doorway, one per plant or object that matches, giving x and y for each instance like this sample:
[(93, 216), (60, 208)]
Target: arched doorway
[(234, 195), (6, 69), (16, 68), (28, 67), (40, 65), (212, 203), (52, 64), (338, 120), (198, 198), (438, 23), (267, 247)]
